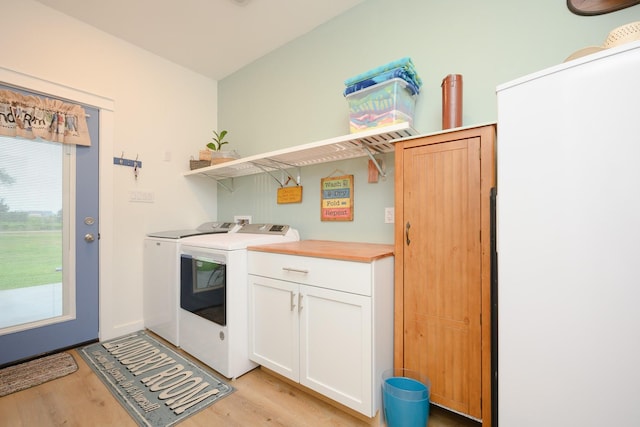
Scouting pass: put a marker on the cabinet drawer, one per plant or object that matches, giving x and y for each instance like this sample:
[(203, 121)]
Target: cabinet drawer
[(346, 276)]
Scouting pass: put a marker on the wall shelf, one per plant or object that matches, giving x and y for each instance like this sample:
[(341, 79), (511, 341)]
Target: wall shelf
[(345, 147)]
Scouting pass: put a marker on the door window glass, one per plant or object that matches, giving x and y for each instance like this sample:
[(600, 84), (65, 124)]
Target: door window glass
[(35, 271)]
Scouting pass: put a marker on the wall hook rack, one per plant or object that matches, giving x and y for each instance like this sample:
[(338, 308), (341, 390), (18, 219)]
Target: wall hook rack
[(121, 161)]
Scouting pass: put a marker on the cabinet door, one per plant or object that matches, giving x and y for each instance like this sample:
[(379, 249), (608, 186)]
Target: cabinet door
[(273, 325), (442, 270), (336, 347)]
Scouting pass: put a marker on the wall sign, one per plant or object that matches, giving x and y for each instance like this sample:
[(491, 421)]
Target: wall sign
[(336, 198), (290, 194)]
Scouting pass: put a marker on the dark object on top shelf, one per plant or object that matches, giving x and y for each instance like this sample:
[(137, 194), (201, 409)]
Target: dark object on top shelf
[(598, 7)]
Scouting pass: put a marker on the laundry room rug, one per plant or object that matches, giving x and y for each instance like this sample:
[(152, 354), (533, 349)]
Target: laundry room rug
[(35, 372), (156, 385)]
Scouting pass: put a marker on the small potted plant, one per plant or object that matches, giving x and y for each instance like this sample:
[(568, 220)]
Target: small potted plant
[(217, 154), (218, 141)]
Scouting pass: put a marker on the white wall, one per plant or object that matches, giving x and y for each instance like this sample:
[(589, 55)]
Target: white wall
[(150, 96)]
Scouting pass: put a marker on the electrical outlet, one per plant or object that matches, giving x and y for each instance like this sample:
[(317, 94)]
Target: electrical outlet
[(242, 219), (389, 215)]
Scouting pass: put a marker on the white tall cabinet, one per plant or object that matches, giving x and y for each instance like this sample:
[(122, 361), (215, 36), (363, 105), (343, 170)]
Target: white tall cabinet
[(322, 315), (568, 216)]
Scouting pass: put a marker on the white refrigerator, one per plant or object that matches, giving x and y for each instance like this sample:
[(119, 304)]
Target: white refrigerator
[(568, 244)]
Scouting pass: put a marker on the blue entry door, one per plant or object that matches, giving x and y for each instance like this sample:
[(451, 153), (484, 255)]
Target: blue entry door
[(50, 248)]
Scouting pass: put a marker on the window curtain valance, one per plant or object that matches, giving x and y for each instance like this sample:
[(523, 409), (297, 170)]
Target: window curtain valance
[(50, 119)]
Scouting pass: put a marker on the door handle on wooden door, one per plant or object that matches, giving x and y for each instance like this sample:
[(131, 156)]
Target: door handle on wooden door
[(406, 233)]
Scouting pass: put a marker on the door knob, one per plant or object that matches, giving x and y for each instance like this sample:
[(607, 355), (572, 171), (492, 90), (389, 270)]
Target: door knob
[(89, 237)]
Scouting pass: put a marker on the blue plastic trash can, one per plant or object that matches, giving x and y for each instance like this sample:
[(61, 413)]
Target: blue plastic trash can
[(405, 398)]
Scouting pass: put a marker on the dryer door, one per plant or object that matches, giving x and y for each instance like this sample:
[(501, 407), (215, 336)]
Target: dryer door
[(203, 286)]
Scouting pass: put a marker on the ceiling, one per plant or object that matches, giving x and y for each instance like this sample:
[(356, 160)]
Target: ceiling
[(211, 37)]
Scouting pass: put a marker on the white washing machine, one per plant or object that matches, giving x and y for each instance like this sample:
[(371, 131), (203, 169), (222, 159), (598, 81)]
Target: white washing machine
[(161, 277), (213, 314)]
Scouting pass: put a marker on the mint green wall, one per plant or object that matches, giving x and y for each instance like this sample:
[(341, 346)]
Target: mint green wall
[(293, 95)]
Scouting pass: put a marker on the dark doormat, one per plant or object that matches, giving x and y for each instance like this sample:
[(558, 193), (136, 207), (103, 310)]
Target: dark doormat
[(35, 372), (156, 385)]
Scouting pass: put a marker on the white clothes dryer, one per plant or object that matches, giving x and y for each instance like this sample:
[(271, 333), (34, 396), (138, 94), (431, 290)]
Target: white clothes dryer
[(161, 277), (213, 314)]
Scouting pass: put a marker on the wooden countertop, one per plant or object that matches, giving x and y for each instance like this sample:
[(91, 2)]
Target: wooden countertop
[(348, 251)]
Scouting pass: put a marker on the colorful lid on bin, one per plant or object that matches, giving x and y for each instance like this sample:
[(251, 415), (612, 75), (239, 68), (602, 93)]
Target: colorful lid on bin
[(402, 68)]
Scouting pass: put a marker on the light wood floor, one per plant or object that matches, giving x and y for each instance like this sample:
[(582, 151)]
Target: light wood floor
[(260, 399)]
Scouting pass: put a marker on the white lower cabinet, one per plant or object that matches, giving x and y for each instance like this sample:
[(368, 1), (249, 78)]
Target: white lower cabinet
[(274, 325), (328, 340)]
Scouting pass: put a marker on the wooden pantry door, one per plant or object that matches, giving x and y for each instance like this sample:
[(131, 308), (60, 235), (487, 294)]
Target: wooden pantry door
[(442, 270)]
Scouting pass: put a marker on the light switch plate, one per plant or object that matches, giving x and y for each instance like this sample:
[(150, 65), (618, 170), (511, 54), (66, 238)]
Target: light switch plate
[(389, 215), (141, 196)]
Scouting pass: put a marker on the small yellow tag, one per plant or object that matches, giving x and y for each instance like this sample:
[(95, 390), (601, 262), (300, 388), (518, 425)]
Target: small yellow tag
[(290, 194)]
